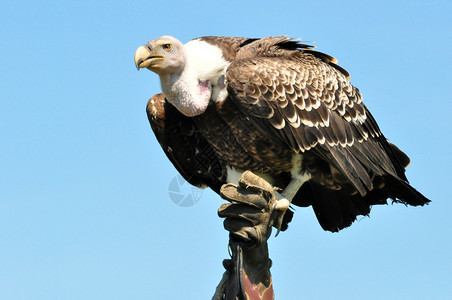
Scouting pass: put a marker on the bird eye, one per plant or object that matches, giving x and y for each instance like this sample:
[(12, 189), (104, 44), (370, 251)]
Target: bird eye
[(167, 47)]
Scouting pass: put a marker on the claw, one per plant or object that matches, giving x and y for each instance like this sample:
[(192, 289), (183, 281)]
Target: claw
[(280, 206)]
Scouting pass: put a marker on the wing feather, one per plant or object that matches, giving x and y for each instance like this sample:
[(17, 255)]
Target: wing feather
[(188, 150), (291, 98), (312, 106)]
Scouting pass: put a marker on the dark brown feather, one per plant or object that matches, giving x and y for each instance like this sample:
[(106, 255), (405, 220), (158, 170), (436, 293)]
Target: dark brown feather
[(185, 147), (330, 122), (332, 130), (286, 98)]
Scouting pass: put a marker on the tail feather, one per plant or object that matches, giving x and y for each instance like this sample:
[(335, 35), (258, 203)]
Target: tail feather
[(338, 209), (403, 192)]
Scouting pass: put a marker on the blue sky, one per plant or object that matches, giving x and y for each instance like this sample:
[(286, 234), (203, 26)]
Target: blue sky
[(85, 211)]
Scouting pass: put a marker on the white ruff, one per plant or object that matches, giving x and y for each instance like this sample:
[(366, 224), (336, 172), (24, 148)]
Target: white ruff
[(201, 80), (208, 63), (205, 59)]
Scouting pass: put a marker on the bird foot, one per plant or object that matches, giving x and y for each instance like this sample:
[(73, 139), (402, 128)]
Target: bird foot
[(280, 207)]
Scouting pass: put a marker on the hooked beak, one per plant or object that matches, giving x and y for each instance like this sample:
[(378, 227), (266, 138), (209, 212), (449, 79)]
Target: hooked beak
[(145, 56)]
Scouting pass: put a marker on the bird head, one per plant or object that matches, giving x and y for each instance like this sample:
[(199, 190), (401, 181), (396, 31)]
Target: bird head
[(164, 55)]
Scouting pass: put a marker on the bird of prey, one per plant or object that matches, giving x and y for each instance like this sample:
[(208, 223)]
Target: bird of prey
[(278, 108)]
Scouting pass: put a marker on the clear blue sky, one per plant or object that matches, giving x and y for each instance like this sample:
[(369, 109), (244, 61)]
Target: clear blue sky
[(85, 211)]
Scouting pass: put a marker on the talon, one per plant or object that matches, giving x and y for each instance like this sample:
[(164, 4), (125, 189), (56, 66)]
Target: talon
[(280, 206), (278, 222)]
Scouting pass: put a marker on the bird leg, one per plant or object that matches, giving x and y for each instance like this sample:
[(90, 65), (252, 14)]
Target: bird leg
[(284, 198), (281, 206)]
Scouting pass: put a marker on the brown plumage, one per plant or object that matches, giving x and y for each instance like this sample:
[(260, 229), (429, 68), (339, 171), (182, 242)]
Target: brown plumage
[(284, 101)]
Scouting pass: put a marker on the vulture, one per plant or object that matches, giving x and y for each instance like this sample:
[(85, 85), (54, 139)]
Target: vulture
[(280, 109)]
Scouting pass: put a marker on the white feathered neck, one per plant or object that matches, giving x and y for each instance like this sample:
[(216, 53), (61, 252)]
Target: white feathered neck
[(201, 80)]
